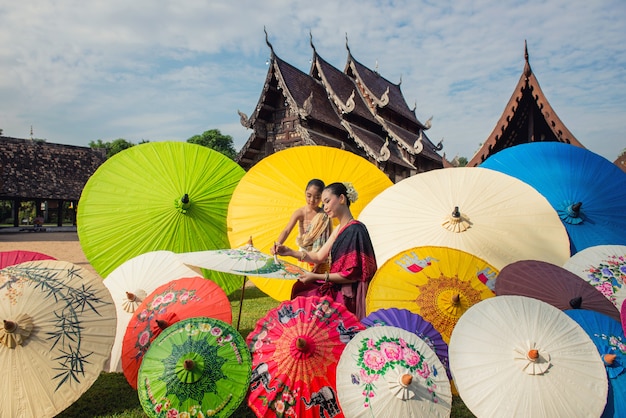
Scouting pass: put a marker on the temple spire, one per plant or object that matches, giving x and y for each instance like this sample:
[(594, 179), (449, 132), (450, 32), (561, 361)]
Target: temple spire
[(311, 42), (347, 46), (527, 70), (267, 41)]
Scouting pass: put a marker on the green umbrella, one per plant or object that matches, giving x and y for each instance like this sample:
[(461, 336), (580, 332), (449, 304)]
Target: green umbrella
[(170, 196), (196, 367)]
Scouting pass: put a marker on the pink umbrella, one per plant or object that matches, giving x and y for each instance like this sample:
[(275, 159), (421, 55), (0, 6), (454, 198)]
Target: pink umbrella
[(12, 258)]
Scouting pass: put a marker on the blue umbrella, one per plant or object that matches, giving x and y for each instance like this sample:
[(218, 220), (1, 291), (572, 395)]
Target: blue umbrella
[(587, 190), (608, 336)]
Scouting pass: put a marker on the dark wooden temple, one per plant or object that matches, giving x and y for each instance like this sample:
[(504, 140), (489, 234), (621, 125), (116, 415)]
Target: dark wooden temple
[(356, 110), (51, 175), (527, 117)]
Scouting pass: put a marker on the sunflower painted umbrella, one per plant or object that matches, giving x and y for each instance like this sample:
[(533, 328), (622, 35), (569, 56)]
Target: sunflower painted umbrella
[(552, 284), (131, 282), (412, 322), (515, 356), (59, 326), (608, 337), (167, 304), (483, 212), (388, 371), (11, 258), (587, 190), (157, 196), (604, 267), (295, 349), (198, 367), (273, 189), (438, 283)]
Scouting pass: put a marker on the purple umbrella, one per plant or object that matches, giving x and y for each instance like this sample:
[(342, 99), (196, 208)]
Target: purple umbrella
[(412, 322)]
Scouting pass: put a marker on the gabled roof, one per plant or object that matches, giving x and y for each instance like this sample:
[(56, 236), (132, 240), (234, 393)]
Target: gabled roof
[(35, 169), (527, 117)]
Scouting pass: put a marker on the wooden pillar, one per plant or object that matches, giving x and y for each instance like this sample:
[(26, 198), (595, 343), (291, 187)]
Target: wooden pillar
[(15, 209), (60, 204)]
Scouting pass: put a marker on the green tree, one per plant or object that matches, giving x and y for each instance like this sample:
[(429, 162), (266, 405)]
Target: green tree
[(112, 147), (215, 140), (462, 161)]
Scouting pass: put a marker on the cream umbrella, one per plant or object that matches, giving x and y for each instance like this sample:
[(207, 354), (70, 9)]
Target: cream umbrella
[(131, 282), (59, 325), (483, 212), (514, 356)]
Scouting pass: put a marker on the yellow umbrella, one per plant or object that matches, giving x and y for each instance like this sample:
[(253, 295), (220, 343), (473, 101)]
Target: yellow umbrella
[(438, 283), (484, 212), (273, 189)]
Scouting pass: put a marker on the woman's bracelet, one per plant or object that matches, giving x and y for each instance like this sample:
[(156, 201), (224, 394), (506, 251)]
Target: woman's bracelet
[(327, 277), (303, 255)]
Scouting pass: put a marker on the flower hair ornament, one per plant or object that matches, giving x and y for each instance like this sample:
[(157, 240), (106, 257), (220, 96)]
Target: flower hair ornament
[(350, 192)]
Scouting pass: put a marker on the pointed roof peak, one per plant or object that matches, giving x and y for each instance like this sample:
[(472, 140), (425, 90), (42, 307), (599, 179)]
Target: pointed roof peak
[(311, 42), (527, 70), (267, 41), (348, 46)]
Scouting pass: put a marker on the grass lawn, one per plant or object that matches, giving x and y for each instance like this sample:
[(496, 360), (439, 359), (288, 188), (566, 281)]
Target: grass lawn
[(112, 397)]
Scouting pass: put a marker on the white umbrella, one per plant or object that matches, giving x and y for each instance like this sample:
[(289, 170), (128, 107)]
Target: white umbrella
[(59, 324), (131, 282), (604, 267), (484, 212), (388, 371), (516, 356)]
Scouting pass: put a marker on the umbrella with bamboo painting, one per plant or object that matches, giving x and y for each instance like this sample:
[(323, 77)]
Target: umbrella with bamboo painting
[(59, 326)]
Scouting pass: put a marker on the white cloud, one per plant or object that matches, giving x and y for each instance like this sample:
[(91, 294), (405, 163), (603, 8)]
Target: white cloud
[(155, 70)]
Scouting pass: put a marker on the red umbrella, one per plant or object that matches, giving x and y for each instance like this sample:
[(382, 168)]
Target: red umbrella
[(177, 300), (295, 350), (554, 285), (12, 258)]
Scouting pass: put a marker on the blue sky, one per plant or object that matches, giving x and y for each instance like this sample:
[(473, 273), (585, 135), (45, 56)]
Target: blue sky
[(167, 70)]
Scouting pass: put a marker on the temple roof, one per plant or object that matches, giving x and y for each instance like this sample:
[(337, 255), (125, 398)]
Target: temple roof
[(527, 117)]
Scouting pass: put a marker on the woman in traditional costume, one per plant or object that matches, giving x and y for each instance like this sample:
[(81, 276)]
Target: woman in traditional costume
[(352, 259)]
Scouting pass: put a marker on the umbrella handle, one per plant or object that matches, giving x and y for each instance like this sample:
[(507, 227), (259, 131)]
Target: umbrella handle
[(243, 289)]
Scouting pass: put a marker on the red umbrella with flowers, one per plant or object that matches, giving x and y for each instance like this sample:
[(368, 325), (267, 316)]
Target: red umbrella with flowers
[(177, 300), (295, 350)]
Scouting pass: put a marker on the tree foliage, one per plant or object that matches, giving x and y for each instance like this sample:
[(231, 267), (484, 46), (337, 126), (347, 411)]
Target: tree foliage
[(112, 147), (215, 140)]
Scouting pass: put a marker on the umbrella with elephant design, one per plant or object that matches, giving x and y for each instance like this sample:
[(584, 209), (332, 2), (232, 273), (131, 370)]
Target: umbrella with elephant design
[(295, 349)]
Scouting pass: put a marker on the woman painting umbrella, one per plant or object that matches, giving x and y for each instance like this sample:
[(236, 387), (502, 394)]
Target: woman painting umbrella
[(353, 262)]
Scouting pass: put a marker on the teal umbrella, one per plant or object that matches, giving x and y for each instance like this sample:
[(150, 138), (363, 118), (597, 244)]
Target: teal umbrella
[(170, 196), (196, 367)]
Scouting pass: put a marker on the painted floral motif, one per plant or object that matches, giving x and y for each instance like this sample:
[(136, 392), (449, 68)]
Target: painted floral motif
[(375, 358), (615, 342), (608, 276), (283, 403)]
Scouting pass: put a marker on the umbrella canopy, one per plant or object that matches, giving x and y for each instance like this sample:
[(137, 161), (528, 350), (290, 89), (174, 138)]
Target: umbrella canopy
[(157, 196), (295, 349), (517, 356), (623, 316), (11, 258), (438, 283), (131, 282), (483, 212), (388, 371), (244, 261), (273, 189), (608, 337), (552, 284), (198, 367), (412, 322), (167, 304), (586, 190), (604, 267), (59, 325)]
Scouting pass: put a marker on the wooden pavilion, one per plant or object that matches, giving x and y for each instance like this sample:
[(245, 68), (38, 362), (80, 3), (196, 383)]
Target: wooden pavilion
[(50, 175), (356, 109)]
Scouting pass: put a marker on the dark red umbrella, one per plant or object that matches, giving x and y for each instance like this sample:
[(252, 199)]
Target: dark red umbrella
[(554, 285), (12, 258)]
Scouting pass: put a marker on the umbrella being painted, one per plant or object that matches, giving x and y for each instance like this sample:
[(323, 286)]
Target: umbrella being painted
[(272, 190), (587, 190), (388, 371), (486, 213), (438, 283), (604, 267), (157, 196), (295, 349), (59, 325), (198, 367), (514, 356)]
